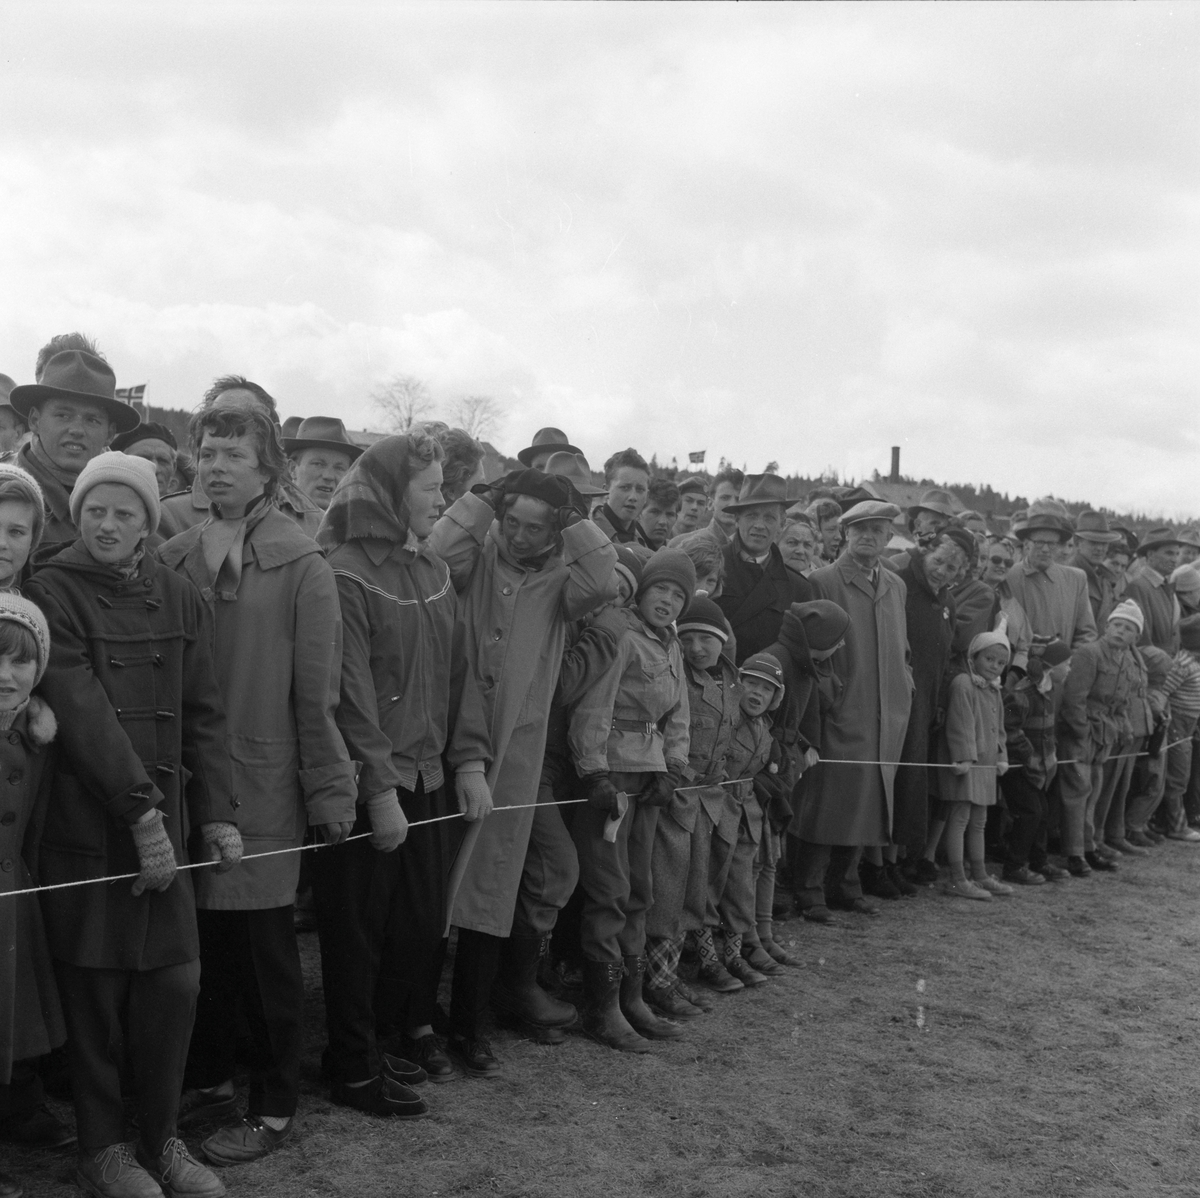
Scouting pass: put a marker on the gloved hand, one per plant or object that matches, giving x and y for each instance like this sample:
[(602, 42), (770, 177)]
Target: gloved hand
[(336, 833), (600, 793), (962, 768), (660, 790), (1002, 768), (388, 825), (474, 798), (224, 842), (156, 854), (573, 507)]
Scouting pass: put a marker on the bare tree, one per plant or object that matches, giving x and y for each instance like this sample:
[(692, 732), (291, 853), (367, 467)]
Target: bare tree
[(403, 401), (479, 415)]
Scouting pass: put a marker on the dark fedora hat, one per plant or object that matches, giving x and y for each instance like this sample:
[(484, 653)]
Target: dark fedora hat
[(575, 467), (934, 500), (290, 425), (1093, 526), (758, 489), (1158, 537), (321, 432), (78, 375), (1042, 522), (547, 440)]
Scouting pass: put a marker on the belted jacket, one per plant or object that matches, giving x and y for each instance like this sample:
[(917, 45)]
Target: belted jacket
[(1103, 684), (141, 725)]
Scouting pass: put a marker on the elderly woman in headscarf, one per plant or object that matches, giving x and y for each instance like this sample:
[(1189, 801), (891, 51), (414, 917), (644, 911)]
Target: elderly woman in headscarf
[(382, 899), (526, 563)]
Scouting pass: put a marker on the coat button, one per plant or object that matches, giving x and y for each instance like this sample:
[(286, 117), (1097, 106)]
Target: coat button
[(16, 776), (9, 817), (14, 738), (6, 866), (497, 635), (506, 590)]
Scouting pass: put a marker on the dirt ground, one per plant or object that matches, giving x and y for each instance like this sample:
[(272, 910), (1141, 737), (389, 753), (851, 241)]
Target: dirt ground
[(1046, 1044)]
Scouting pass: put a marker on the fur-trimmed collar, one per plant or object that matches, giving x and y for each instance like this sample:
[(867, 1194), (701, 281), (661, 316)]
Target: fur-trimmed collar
[(40, 721)]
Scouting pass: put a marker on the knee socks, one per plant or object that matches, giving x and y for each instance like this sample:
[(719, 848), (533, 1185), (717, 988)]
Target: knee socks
[(733, 946), (662, 962), (706, 949)]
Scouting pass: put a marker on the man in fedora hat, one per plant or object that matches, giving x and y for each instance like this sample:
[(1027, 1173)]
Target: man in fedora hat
[(1054, 597), (1189, 545), (758, 586), (72, 412), (156, 443), (926, 519), (1092, 540), (848, 807), (546, 441), (318, 455), (12, 427), (1152, 591), (693, 500)]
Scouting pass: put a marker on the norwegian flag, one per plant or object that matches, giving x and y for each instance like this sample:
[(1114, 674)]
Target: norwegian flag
[(697, 458)]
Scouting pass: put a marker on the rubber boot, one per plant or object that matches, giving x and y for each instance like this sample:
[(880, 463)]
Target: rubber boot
[(517, 994), (633, 1005), (602, 1019)]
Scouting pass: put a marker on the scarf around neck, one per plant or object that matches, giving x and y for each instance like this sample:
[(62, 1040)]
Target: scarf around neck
[(221, 544)]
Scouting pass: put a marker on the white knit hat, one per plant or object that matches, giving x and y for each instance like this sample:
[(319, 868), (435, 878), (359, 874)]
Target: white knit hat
[(18, 610), (1128, 610), (114, 467), (27, 488)]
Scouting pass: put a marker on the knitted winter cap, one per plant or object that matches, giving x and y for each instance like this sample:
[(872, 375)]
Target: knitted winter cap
[(823, 621), (1128, 610), (670, 565), (1189, 633), (20, 611), (704, 616), (630, 560), (985, 640), (765, 666), (20, 484), (113, 467)]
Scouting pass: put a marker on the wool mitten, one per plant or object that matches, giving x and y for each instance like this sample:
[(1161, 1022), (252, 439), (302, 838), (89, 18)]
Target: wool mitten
[(156, 854), (471, 788), (388, 825), (226, 840)]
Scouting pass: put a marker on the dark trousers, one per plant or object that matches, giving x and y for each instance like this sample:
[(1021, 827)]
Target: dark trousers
[(616, 878), (24, 1092), (476, 959), (380, 918), (250, 958), (158, 1007), (551, 868), (827, 870), (1027, 807)]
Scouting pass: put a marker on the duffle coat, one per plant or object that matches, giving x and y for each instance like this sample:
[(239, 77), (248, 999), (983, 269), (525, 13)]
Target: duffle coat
[(512, 626), (31, 1021), (847, 804), (141, 725), (277, 646)]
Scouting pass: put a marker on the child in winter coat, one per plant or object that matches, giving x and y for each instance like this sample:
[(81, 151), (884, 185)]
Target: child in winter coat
[(31, 1022), (684, 837), (753, 768), (629, 737), (973, 740)]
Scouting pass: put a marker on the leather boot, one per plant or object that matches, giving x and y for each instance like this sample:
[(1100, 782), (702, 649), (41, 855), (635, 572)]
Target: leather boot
[(633, 1005), (517, 993), (602, 1018)]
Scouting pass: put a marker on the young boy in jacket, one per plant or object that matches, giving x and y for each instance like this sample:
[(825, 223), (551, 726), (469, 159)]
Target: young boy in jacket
[(142, 772), (629, 738)]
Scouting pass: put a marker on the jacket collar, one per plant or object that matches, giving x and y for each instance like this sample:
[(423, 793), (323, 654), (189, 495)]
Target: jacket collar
[(854, 575), (274, 541)]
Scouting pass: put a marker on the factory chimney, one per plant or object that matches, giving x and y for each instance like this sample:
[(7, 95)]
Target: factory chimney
[(894, 477)]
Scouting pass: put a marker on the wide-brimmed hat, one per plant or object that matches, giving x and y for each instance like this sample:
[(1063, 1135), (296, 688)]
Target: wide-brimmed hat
[(575, 467), (1157, 537), (546, 440), (321, 432), (758, 489), (76, 374), (848, 497), (934, 500), (1190, 536), (1042, 522), (1093, 526), (870, 509), (290, 425)]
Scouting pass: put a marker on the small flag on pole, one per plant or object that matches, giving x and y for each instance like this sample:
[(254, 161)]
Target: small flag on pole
[(132, 394), (697, 458)]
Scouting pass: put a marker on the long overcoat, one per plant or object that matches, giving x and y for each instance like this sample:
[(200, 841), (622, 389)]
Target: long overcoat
[(754, 598), (278, 654), (140, 725), (31, 1022), (512, 624), (930, 621), (847, 804)]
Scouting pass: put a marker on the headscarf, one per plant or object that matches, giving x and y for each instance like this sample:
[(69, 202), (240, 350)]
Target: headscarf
[(369, 503)]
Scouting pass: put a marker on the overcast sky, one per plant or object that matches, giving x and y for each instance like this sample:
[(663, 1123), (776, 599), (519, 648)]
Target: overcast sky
[(792, 232)]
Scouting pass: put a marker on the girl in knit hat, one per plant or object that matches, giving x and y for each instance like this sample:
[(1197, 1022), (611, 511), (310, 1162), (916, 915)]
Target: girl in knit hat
[(973, 740), (629, 742), (22, 518), (31, 1022)]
